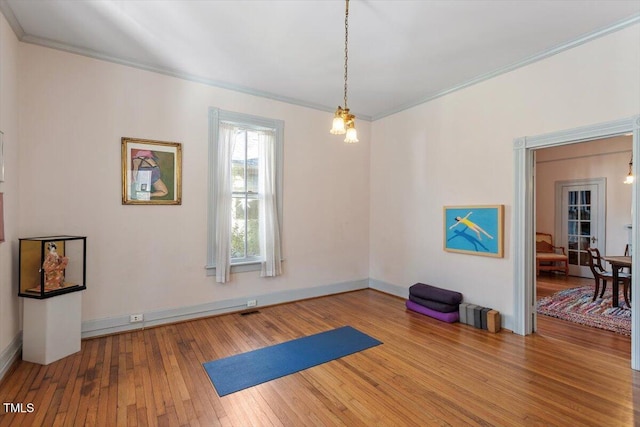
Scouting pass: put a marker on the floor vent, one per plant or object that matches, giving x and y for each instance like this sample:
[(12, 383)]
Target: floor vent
[(246, 313)]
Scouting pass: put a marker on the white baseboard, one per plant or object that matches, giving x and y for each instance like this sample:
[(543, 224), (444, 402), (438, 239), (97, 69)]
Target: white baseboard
[(389, 288), (112, 325), (10, 354), (92, 328)]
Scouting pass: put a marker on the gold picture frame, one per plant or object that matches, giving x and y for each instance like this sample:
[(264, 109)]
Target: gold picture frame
[(151, 172)]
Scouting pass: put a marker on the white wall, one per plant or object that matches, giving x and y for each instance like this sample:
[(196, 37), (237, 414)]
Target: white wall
[(9, 305), (458, 150), (351, 212), (606, 158), (141, 259)]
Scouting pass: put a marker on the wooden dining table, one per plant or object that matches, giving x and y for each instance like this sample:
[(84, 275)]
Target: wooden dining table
[(617, 263)]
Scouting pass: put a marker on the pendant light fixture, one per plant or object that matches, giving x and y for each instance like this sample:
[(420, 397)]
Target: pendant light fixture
[(343, 121), (629, 179)]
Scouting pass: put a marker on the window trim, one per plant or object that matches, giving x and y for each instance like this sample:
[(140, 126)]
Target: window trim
[(216, 116)]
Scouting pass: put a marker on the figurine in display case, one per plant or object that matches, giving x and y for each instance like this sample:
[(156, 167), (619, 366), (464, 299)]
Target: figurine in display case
[(51, 266)]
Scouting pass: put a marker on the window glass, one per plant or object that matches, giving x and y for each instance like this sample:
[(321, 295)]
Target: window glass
[(246, 207)]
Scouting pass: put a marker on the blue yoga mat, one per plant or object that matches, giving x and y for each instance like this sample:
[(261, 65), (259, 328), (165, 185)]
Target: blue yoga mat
[(255, 367)]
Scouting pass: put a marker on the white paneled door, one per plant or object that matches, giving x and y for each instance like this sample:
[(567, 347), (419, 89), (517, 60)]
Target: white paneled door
[(581, 221)]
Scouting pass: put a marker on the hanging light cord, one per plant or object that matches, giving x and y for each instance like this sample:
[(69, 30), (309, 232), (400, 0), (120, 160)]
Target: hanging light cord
[(343, 120), (346, 51)]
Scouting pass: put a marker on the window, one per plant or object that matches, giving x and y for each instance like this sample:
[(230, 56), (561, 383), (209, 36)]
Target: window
[(245, 194), (245, 207)]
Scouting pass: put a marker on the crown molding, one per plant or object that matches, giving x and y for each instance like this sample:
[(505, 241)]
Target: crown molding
[(167, 71), (11, 19), (22, 36), (635, 19)]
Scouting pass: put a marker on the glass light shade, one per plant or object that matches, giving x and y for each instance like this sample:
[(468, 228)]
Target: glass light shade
[(352, 135), (629, 179), (338, 127)]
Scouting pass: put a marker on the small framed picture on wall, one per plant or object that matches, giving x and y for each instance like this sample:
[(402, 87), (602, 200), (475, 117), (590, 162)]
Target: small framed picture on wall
[(1, 217), (151, 172), (474, 230), (1, 156)]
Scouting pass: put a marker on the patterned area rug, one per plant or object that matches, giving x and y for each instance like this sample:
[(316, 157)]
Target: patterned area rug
[(575, 305)]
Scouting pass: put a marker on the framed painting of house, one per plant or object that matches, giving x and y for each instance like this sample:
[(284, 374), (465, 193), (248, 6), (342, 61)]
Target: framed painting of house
[(151, 172), (475, 230)]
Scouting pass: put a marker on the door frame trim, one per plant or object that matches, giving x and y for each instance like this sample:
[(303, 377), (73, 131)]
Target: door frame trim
[(524, 217)]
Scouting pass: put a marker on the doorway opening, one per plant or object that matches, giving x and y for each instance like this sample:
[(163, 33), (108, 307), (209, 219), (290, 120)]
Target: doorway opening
[(525, 217)]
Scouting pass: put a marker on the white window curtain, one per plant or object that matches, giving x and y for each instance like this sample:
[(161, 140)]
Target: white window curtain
[(269, 225), (223, 200)]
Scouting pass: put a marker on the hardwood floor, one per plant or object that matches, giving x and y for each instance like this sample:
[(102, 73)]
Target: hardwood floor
[(550, 283), (426, 373)]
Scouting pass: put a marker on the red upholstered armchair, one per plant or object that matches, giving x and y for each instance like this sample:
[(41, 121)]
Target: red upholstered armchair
[(550, 257)]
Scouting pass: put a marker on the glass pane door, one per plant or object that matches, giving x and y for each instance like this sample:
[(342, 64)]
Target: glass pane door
[(579, 226), (581, 213)]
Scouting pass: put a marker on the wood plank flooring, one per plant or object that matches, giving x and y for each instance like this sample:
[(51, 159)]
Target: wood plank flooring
[(549, 283), (426, 373)]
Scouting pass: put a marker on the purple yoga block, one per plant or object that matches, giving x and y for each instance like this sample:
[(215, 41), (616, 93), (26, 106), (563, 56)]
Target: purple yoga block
[(445, 317)]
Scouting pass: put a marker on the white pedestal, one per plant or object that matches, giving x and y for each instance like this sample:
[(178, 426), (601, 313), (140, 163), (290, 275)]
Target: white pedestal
[(51, 328)]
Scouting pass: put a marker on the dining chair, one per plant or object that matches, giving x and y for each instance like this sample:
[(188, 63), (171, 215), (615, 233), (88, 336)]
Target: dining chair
[(627, 252), (601, 275)]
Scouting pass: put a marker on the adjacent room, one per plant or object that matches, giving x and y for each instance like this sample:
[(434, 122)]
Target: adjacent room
[(191, 233)]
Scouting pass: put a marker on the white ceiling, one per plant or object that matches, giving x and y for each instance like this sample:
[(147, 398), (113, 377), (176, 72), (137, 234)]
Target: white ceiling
[(401, 53)]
